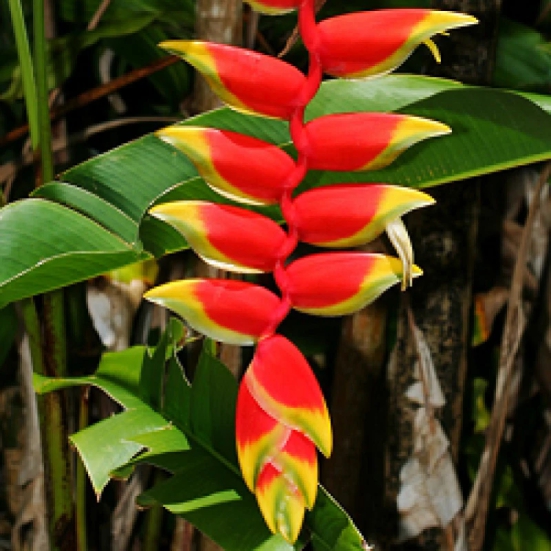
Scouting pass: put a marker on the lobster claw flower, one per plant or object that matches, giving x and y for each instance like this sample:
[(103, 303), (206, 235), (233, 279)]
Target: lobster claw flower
[(227, 237), (245, 80), (281, 417), (274, 7), (236, 166), (364, 141), (234, 312), (348, 215), (372, 43), (340, 283)]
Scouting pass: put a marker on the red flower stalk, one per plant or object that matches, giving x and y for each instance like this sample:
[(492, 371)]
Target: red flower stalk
[(281, 414)]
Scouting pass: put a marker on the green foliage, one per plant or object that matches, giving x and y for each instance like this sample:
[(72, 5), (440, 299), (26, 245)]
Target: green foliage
[(187, 430)]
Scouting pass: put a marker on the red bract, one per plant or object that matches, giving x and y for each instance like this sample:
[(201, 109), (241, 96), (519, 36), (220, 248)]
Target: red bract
[(237, 166), (228, 237), (375, 42), (364, 141), (347, 215), (336, 284), (281, 414), (210, 306), (247, 81)]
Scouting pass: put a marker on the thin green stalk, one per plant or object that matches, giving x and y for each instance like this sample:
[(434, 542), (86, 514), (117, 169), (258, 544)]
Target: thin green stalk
[(27, 71), (154, 520), (81, 479), (41, 68)]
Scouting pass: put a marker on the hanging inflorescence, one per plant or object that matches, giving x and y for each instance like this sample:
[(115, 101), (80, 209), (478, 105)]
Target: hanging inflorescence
[(281, 413)]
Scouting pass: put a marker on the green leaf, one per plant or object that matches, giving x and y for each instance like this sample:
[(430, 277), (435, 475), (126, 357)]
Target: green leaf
[(215, 500), (523, 59), (115, 435), (213, 399), (332, 529), (118, 375), (108, 216), (491, 131), (44, 246)]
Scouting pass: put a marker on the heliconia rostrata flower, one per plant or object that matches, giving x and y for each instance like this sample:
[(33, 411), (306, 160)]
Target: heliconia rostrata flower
[(281, 413)]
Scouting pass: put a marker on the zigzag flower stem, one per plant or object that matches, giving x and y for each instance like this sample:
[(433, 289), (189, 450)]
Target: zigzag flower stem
[(281, 414)]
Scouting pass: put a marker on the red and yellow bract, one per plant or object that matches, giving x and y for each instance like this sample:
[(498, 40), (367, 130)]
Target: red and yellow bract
[(344, 141), (348, 215), (253, 245), (237, 166), (210, 306), (340, 283), (281, 415), (373, 43), (247, 81)]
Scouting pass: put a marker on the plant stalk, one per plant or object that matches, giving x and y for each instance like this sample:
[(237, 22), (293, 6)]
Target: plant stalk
[(26, 67), (44, 150), (81, 480)]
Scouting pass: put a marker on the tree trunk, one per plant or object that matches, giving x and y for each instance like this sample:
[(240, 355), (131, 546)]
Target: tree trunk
[(217, 21)]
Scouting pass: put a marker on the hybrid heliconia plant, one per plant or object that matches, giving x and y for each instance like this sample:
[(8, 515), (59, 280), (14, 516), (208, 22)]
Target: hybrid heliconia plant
[(281, 413)]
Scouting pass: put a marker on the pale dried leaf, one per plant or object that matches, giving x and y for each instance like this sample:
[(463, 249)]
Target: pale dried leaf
[(112, 306), (428, 390)]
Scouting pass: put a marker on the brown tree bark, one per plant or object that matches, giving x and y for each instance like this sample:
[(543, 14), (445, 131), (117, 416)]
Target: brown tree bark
[(218, 21)]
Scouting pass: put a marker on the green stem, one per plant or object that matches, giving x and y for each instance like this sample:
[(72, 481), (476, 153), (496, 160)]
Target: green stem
[(81, 481), (26, 66), (59, 483), (154, 520), (43, 116)]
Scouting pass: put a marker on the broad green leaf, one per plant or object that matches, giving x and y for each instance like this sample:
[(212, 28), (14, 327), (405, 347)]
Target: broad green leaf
[(106, 445), (177, 398), (44, 246), (389, 93), (118, 375), (213, 399), (332, 529), (108, 216)]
